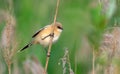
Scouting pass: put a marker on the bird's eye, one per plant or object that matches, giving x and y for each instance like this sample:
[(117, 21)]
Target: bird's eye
[(59, 27)]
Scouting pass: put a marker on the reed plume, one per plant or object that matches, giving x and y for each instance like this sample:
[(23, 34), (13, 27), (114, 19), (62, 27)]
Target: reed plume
[(8, 41)]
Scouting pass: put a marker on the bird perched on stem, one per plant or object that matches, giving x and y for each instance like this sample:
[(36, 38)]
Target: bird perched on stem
[(43, 36)]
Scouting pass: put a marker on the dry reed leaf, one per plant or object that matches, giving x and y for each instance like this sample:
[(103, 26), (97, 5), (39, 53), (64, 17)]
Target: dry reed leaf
[(85, 51), (33, 66)]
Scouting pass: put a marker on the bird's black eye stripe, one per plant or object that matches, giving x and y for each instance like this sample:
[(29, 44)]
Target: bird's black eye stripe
[(59, 27)]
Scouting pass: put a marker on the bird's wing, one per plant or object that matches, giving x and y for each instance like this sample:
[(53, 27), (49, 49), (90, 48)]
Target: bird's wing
[(39, 31)]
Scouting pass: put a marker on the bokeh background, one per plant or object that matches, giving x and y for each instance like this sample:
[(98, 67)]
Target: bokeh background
[(85, 22)]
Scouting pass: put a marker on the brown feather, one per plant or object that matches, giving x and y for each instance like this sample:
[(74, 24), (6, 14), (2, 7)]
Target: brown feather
[(37, 33)]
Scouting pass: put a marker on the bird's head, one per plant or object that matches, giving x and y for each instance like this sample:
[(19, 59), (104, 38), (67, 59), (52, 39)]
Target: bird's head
[(58, 26)]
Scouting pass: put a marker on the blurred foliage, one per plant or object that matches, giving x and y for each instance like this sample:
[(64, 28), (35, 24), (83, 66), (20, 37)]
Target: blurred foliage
[(80, 18)]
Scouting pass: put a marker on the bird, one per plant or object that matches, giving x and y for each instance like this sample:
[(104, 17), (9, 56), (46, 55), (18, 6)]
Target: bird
[(43, 35)]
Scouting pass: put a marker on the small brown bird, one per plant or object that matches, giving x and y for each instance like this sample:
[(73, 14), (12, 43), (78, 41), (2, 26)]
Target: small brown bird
[(43, 36)]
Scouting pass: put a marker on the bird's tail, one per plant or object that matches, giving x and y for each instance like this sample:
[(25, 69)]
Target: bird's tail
[(28, 45)]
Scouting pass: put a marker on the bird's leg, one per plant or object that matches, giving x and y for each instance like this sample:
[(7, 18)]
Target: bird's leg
[(51, 35), (48, 55)]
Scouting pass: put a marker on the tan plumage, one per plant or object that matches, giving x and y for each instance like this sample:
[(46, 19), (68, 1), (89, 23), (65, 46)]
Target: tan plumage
[(43, 36)]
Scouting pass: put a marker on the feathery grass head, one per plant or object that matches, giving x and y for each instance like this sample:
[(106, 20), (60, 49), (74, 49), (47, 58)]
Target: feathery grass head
[(66, 63), (8, 40)]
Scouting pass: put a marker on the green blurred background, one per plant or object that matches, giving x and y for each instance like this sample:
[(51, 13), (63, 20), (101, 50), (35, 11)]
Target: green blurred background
[(83, 21)]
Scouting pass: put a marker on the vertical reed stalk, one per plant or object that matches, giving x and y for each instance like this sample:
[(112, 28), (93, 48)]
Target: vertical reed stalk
[(93, 62), (9, 68), (50, 45)]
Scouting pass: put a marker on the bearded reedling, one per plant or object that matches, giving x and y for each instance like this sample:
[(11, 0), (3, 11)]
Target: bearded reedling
[(43, 36)]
